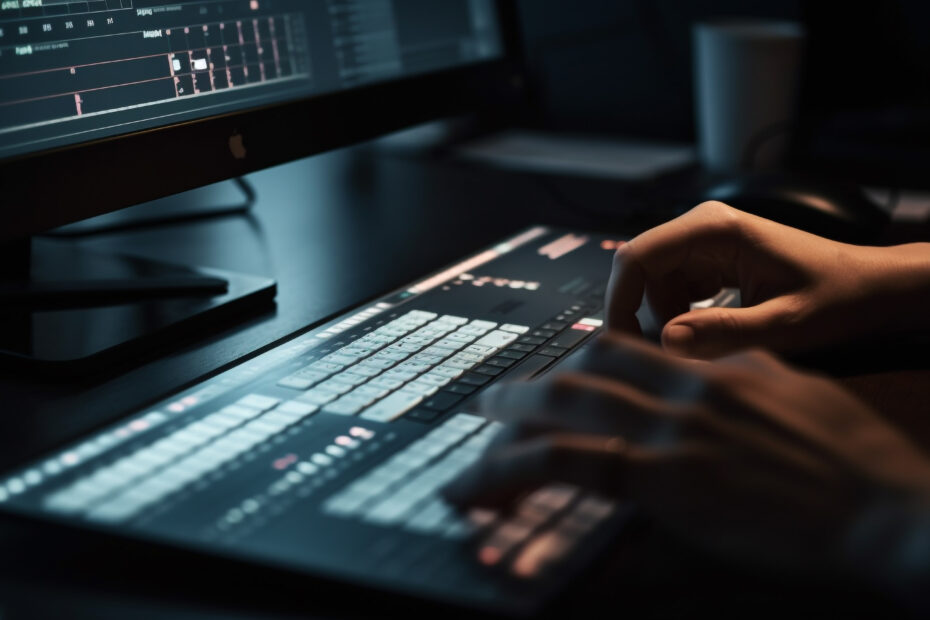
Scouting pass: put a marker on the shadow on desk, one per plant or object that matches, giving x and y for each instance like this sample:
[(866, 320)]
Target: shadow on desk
[(647, 574)]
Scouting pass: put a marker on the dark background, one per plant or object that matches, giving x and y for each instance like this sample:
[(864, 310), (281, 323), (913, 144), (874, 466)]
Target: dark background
[(625, 68), (622, 67)]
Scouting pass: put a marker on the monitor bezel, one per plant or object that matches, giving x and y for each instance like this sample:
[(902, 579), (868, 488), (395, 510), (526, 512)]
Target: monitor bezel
[(51, 188)]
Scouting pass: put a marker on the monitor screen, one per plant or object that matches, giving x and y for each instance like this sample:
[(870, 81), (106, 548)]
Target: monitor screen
[(71, 72)]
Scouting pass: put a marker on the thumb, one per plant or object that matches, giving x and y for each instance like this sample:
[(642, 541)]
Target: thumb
[(712, 332)]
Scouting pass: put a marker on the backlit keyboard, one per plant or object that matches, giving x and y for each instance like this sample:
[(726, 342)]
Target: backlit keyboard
[(394, 368), (326, 453)]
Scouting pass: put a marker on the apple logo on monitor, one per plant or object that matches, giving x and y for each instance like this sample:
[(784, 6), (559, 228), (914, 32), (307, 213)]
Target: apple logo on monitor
[(237, 146)]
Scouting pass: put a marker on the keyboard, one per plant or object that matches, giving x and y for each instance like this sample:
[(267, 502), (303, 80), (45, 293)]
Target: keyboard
[(326, 454)]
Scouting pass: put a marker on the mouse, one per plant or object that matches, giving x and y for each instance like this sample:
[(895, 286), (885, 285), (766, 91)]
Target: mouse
[(836, 210)]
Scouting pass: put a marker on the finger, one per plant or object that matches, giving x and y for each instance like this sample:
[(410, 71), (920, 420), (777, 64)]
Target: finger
[(580, 402), (710, 229), (594, 462), (634, 361), (712, 332)]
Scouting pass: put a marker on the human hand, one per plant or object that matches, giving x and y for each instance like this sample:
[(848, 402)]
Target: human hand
[(743, 456), (799, 291)]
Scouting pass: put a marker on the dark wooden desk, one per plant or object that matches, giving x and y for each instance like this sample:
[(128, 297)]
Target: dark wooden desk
[(333, 230)]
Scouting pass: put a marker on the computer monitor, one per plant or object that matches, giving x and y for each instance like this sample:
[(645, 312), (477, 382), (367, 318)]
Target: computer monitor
[(107, 104)]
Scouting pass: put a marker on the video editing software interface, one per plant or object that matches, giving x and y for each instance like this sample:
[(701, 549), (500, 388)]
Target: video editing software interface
[(76, 71), (327, 453)]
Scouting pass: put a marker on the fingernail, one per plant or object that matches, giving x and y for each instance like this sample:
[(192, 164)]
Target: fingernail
[(678, 338)]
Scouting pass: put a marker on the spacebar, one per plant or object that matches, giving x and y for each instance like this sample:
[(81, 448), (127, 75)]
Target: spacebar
[(391, 407)]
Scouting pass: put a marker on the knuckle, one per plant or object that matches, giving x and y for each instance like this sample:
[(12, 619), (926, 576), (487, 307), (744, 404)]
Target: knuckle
[(714, 208), (719, 214)]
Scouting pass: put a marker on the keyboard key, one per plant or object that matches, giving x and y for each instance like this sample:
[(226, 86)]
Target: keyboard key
[(497, 339), (423, 389), (511, 354), (533, 340), (435, 378), (541, 552), (296, 382), (387, 383), (442, 401), (401, 374), (344, 504), (333, 386), (472, 330), (458, 364), (469, 356), (516, 329), (363, 370), (243, 413), (350, 379), (522, 348), (553, 351), (317, 397), (432, 518), (321, 460), (341, 358), (388, 512), (531, 367), (555, 325), (445, 371), (454, 320), (420, 315), (481, 349), (370, 390), (335, 451), (423, 415), (414, 367), (298, 407), (257, 401), (501, 361), (491, 371), (325, 367), (314, 375), (569, 338), (391, 407), (460, 388), (466, 421), (542, 333), (475, 379), (502, 540)]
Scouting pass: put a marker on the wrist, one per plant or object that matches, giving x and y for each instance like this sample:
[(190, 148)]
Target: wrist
[(897, 286)]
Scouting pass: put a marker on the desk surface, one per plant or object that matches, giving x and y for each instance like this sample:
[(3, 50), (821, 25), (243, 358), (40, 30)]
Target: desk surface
[(333, 230)]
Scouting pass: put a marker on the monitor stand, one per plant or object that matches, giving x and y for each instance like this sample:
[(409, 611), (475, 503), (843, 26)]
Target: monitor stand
[(69, 310), (232, 197)]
